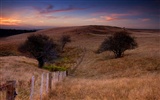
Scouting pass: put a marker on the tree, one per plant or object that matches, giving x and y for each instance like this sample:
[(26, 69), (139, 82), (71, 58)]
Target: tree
[(118, 43), (41, 47), (64, 40)]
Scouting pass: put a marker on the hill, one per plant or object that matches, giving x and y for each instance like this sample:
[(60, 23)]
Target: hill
[(9, 32), (98, 76)]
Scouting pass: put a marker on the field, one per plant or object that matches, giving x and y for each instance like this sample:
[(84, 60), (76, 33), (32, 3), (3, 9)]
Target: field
[(135, 76)]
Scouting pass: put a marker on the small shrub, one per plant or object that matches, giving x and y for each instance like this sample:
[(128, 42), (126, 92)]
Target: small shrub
[(66, 59), (53, 68), (64, 40)]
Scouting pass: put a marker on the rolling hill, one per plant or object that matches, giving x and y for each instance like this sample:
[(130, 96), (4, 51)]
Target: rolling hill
[(98, 76)]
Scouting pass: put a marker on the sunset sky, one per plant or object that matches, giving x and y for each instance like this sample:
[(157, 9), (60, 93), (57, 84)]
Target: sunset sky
[(54, 13)]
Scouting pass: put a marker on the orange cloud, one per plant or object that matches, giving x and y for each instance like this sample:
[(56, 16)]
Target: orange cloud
[(116, 16), (109, 18), (145, 19), (9, 21)]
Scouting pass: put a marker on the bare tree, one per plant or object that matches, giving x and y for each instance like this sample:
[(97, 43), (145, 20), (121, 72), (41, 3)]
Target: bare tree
[(64, 40), (118, 43), (41, 47)]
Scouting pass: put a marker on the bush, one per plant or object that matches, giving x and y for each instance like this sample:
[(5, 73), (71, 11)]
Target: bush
[(54, 68), (64, 40), (118, 43)]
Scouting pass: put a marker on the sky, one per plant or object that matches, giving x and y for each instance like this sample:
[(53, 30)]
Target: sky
[(34, 14)]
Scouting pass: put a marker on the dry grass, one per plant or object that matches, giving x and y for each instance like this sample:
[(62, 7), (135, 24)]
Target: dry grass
[(20, 69), (8, 49), (142, 88), (136, 76)]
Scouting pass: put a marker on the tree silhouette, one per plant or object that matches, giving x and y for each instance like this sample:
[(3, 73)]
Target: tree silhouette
[(118, 43), (64, 40), (41, 47)]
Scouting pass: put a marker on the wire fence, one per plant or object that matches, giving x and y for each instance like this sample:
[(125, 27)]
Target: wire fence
[(33, 85), (37, 88)]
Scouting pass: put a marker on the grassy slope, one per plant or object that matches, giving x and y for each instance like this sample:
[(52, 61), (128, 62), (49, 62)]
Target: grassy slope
[(21, 69), (99, 76)]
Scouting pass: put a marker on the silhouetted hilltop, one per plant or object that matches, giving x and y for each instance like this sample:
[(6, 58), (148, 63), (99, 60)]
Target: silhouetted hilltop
[(9, 32)]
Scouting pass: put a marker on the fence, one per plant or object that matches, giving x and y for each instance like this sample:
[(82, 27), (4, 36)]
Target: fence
[(37, 91)]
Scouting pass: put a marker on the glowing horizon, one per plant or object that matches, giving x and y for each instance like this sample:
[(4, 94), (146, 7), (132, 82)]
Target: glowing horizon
[(125, 13)]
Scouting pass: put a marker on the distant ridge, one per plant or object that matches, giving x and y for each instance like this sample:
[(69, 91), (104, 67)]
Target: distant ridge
[(74, 31), (9, 32), (92, 29)]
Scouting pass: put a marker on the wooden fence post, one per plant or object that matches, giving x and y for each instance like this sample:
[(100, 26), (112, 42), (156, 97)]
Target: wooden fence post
[(58, 76), (41, 88), (53, 78), (10, 93), (65, 74), (47, 81), (50, 82), (32, 88), (61, 75)]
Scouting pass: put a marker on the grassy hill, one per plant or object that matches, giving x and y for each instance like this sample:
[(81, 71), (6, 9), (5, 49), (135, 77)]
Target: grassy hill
[(99, 76)]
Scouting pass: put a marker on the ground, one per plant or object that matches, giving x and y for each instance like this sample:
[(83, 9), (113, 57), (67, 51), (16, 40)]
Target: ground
[(98, 76)]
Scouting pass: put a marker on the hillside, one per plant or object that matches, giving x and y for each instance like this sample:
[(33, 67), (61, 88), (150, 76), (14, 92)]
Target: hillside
[(99, 76), (10, 32), (90, 29)]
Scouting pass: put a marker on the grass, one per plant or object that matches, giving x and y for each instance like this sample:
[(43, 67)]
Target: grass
[(66, 60), (20, 69), (142, 88), (8, 50), (135, 76)]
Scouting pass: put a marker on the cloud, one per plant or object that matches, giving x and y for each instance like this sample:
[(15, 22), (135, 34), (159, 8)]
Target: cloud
[(49, 16), (120, 15), (116, 16), (145, 19), (94, 20), (109, 18), (9, 21), (51, 9)]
